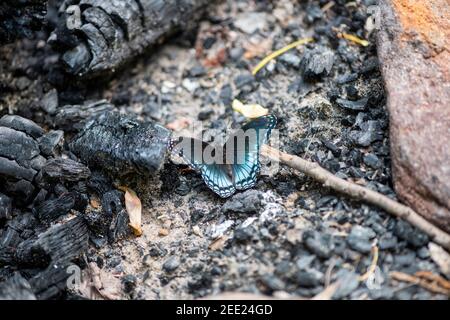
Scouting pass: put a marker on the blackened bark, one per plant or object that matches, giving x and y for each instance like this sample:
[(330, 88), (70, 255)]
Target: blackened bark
[(59, 244), (110, 33), (120, 145)]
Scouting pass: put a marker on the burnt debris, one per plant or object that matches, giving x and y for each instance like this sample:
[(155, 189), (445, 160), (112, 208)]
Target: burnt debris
[(42, 229), (121, 145), (97, 37), (74, 117), (20, 156), (21, 18)]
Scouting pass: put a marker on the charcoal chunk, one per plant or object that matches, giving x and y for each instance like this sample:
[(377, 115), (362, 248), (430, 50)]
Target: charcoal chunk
[(5, 207), (16, 288), (369, 133), (21, 190), (20, 157), (405, 231), (60, 243), (18, 146), (75, 59), (49, 141), (17, 230), (74, 117), (52, 281), (317, 63), (247, 202), (50, 102), (21, 124), (120, 145), (65, 170), (12, 169), (99, 183), (119, 228), (51, 209), (358, 105)]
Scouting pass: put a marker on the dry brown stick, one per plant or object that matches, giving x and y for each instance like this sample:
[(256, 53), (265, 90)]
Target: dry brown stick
[(431, 286), (358, 192)]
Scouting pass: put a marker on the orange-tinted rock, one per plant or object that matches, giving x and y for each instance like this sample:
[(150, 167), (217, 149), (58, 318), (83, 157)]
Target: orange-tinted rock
[(413, 48)]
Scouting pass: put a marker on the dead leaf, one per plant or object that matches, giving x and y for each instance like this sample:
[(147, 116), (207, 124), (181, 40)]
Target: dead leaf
[(249, 110), (178, 124), (441, 258), (218, 243), (97, 284), (134, 209), (215, 58), (257, 49), (162, 232), (94, 202)]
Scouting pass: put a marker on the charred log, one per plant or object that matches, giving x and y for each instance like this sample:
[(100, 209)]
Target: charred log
[(51, 282), (110, 33), (120, 145), (59, 244)]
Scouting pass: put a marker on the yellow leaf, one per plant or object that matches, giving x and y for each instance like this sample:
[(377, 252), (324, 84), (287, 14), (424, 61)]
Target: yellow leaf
[(134, 209), (249, 110)]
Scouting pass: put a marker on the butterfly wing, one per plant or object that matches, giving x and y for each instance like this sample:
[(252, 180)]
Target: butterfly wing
[(245, 144), (215, 175), (217, 179)]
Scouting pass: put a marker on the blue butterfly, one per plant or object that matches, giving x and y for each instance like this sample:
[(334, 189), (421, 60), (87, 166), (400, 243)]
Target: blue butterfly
[(235, 165)]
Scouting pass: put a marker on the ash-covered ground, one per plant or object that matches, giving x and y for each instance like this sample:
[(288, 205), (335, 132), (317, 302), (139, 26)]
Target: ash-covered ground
[(288, 236)]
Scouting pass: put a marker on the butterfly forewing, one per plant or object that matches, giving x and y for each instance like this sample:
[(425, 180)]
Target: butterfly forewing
[(217, 179), (190, 150)]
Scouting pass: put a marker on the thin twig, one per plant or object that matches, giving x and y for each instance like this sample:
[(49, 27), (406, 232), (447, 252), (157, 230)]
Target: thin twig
[(372, 266), (431, 286), (358, 192)]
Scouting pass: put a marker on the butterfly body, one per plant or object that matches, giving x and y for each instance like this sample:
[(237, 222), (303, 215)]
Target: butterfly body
[(233, 166)]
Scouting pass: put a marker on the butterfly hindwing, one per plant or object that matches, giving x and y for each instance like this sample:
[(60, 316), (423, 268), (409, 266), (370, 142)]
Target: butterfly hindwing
[(246, 165), (217, 179), (215, 175)]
